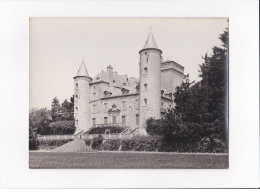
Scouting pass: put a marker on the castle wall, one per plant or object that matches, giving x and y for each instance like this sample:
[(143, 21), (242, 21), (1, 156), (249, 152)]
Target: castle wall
[(127, 106), (97, 90), (170, 79), (166, 104)]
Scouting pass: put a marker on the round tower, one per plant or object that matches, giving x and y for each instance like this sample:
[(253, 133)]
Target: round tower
[(81, 99), (150, 82)]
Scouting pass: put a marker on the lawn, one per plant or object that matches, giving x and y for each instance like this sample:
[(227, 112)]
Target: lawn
[(126, 160)]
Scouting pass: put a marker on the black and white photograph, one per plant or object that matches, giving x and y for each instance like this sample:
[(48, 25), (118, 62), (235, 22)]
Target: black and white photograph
[(129, 93), (137, 95)]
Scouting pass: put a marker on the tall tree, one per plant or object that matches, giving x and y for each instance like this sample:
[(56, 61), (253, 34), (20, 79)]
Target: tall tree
[(205, 102), (66, 110), (214, 82), (55, 109)]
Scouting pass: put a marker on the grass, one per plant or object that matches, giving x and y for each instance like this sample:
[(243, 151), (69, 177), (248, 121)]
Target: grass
[(127, 160)]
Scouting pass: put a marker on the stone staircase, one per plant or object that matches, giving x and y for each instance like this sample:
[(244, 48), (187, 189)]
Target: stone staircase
[(77, 145)]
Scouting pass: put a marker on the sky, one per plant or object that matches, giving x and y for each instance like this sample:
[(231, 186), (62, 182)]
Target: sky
[(58, 45)]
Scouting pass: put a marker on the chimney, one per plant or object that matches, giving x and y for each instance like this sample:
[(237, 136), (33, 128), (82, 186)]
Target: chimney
[(110, 75)]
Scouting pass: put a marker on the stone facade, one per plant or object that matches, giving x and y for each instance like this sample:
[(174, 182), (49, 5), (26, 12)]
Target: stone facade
[(110, 98)]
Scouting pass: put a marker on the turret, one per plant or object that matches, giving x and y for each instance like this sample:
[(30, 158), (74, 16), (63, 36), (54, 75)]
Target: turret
[(150, 82), (81, 99)]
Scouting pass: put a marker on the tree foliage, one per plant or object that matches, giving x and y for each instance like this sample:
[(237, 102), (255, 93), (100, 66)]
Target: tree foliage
[(39, 120), (61, 128), (200, 113), (62, 111)]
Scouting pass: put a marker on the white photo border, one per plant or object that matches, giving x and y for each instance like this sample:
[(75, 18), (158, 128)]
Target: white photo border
[(243, 169)]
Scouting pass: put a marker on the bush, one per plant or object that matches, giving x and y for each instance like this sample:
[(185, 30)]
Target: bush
[(111, 145), (51, 144), (61, 128), (33, 140), (102, 130), (87, 142), (154, 127), (97, 142), (155, 143)]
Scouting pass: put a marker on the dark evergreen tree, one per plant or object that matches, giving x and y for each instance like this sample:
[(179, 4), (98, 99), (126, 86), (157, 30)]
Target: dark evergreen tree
[(214, 84), (205, 102), (55, 109)]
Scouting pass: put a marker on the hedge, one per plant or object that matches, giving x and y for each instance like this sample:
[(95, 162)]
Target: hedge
[(102, 130), (51, 144), (61, 128), (154, 143)]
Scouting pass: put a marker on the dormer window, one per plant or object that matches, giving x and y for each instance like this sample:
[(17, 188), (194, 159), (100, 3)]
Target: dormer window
[(170, 95), (162, 92)]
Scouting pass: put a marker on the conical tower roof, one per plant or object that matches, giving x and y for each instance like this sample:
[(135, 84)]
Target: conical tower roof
[(150, 42), (83, 70)]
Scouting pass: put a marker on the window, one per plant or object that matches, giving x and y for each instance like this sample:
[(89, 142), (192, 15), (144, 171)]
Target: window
[(94, 95), (145, 101), (77, 122), (114, 119), (105, 107), (114, 81), (137, 119), (145, 53), (77, 85), (77, 97), (124, 84), (77, 109), (93, 121), (124, 105), (105, 120), (123, 120), (145, 86), (146, 70), (161, 104), (94, 87)]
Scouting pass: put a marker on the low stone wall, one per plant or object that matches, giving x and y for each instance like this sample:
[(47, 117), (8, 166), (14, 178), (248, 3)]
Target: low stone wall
[(107, 136), (55, 137), (86, 136)]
